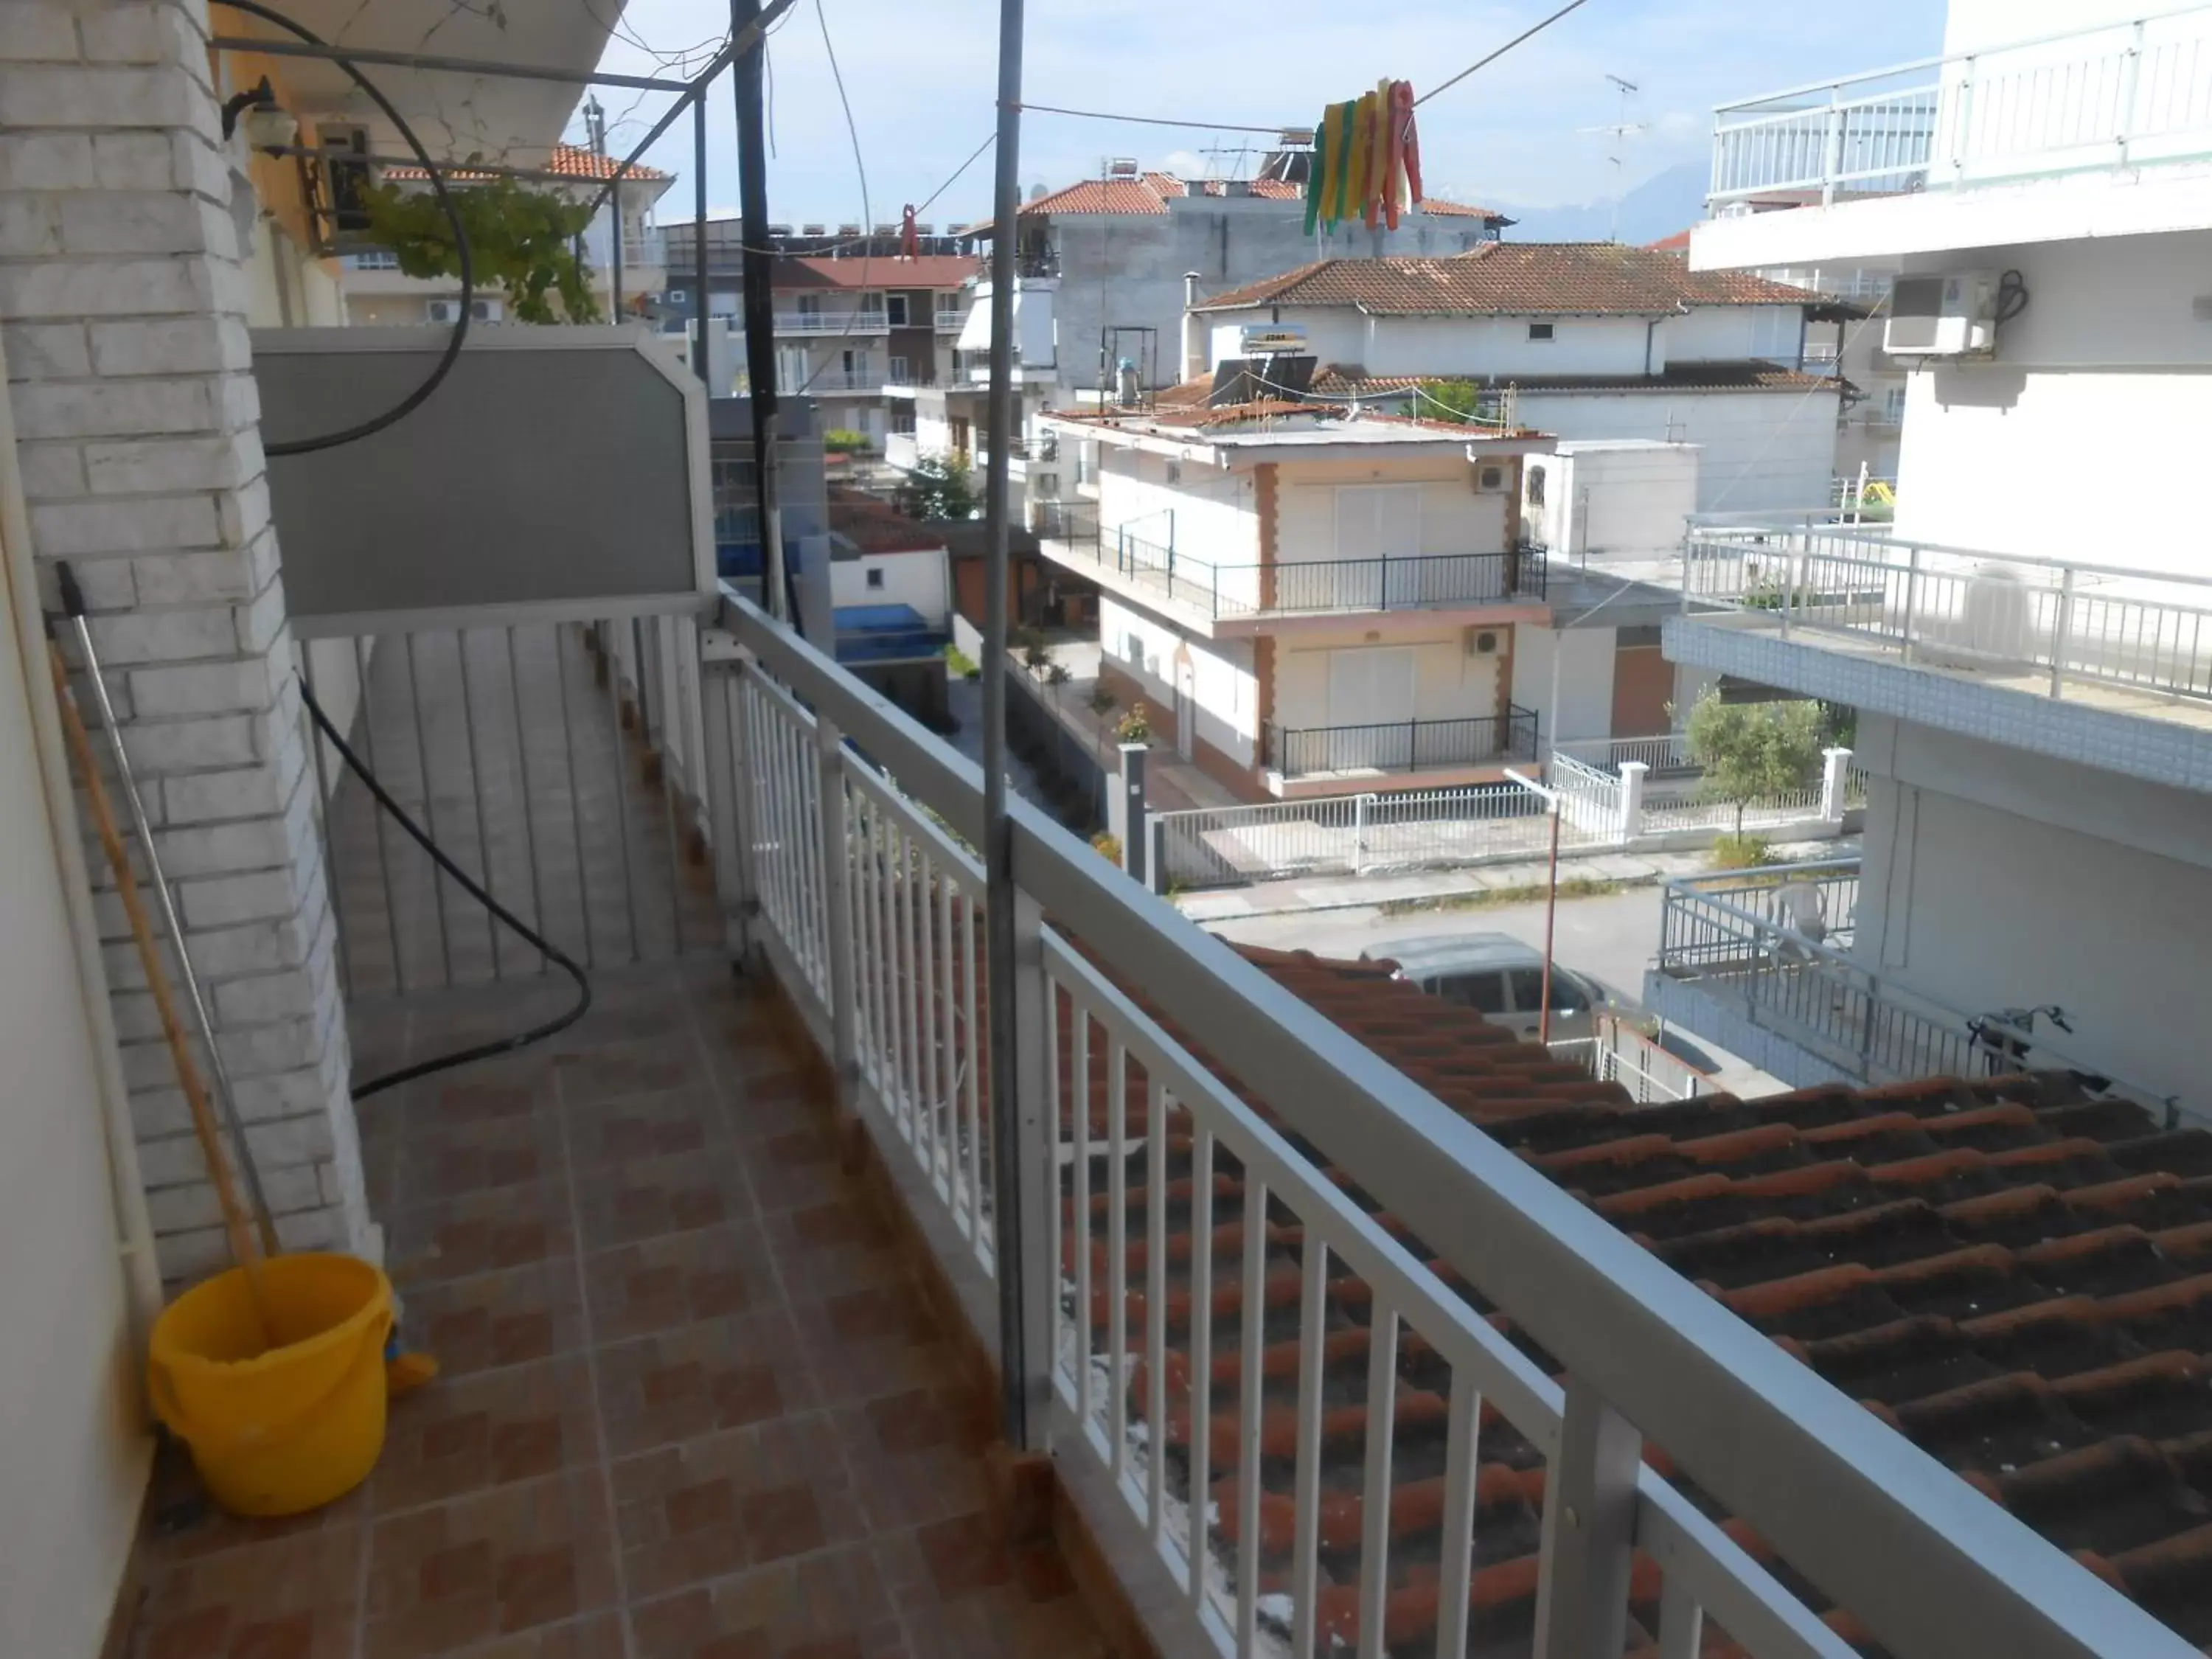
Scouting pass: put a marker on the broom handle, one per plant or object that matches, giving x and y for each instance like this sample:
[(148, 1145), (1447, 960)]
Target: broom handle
[(243, 1245)]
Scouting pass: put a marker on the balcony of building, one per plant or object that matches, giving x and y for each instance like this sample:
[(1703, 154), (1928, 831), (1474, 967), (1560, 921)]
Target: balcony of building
[(2081, 661), (2001, 142), (1220, 599), (1763, 962), (840, 320), (1361, 754)]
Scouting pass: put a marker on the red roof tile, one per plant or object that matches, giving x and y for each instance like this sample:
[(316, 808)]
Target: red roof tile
[(1512, 277), (875, 271), (2018, 1279), (1150, 193), (567, 162), (1342, 380)]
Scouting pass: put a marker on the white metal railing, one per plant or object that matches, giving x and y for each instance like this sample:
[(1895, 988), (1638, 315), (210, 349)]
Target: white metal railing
[(1618, 1053), (2051, 623), (1668, 752), (2121, 94), (1347, 835), (831, 322), (1326, 1337)]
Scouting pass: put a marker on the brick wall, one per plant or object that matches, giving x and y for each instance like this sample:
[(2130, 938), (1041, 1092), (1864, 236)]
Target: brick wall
[(122, 306)]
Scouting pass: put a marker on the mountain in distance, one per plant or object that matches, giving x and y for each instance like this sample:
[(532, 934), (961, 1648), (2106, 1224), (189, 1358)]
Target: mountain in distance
[(1662, 204)]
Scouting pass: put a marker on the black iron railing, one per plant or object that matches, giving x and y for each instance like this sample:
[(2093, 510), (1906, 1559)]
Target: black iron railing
[(1402, 745)]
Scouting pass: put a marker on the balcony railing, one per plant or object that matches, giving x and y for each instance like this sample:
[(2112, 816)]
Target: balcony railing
[(1774, 944), (829, 380), (950, 322), (1365, 1229), (2045, 624), (2120, 95), (1401, 745), (1670, 752), (832, 322), (1230, 591)]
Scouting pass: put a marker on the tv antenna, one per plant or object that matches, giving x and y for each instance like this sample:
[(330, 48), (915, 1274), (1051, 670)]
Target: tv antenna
[(1621, 131)]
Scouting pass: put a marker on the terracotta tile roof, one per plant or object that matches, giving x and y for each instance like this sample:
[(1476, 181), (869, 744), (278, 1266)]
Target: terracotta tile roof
[(1338, 380), (925, 271), (567, 162), (1678, 243), (2016, 1277), (1512, 278), (1150, 193)]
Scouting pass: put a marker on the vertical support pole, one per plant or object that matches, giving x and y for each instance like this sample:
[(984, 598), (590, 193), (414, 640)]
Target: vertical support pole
[(614, 273), (1359, 834), (2060, 633), (1014, 927), (759, 303), (1133, 843), (1911, 596), (1550, 924), (701, 361), (1793, 569), (1631, 799), (2124, 111), (1832, 148), (1835, 772), (837, 909), (1589, 1532)]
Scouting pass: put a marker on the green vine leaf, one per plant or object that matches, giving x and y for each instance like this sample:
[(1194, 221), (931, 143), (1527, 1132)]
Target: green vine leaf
[(522, 242)]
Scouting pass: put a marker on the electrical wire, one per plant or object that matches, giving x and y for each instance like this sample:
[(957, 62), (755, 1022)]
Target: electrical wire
[(414, 399), (867, 217), (552, 953), (1480, 62)]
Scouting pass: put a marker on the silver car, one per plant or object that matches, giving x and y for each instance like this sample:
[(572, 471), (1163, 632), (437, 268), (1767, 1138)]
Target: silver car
[(1499, 977)]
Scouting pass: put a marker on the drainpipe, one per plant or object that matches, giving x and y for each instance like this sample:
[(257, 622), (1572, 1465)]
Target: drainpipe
[(1194, 354), (1650, 328)]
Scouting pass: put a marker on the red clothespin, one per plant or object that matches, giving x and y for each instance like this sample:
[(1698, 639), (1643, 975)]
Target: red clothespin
[(909, 238)]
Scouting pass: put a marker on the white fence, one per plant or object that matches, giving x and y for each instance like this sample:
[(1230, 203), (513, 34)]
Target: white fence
[(1618, 1053), (1441, 828)]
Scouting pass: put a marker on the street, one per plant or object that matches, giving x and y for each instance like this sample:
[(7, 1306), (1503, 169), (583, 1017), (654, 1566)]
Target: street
[(1611, 938)]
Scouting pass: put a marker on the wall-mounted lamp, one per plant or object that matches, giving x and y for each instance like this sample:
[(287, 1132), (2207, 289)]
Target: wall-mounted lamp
[(266, 123)]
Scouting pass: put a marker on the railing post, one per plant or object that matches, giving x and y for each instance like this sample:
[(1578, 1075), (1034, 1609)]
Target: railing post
[(1359, 834), (1024, 1188), (2124, 110), (1912, 597), (729, 796), (1132, 813), (1962, 126), (1835, 771), (837, 910), (2062, 630), (1632, 801), (1792, 570), (1831, 146), (1589, 1532)]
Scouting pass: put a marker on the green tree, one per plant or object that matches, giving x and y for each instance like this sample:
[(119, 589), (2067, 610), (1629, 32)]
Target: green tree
[(939, 487), (1752, 749), (1456, 400), (522, 242), (843, 440)]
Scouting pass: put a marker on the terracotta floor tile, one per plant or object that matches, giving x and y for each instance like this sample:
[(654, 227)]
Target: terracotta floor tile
[(683, 1122), (595, 1635), (964, 1554), (510, 1317), (283, 1597), (647, 1066), (183, 1525), (830, 1605), (831, 1250), (646, 1198), (852, 1368), (799, 1168), (482, 1092), (473, 1157), (505, 1227), (696, 1379), (911, 1460), (496, 1563), (464, 1434), (661, 1283)]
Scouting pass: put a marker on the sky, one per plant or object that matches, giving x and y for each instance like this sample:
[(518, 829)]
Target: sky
[(921, 77)]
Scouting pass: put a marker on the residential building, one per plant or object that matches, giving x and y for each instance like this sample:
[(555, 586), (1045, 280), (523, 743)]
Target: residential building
[(1441, 1343), (377, 292), (2024, 646), (1307, 601), (1584, 339)]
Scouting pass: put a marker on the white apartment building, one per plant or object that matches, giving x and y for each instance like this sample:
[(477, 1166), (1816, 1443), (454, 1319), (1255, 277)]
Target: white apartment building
[(1308, 601), (1583, 339), (377, 292), (2030, 646)]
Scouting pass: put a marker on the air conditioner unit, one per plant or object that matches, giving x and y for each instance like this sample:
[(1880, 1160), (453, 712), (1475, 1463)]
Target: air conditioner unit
[(677, 296), (1481, 641), (1952, 316), (448, 311), (1491, 477)]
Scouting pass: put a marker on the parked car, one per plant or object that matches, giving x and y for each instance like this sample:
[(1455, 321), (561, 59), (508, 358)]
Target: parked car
[(1500, 978)]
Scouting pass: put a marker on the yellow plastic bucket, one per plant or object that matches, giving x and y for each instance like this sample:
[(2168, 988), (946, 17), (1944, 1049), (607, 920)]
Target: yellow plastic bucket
[(278, 1429)]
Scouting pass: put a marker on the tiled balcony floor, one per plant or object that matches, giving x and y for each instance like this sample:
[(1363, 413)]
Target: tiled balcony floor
[(694, 1405)]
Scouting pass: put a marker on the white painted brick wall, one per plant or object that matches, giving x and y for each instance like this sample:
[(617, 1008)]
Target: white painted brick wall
[(122, 302)]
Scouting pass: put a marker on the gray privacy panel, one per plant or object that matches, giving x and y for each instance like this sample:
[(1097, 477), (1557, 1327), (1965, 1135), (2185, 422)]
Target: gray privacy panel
[(533, 474)]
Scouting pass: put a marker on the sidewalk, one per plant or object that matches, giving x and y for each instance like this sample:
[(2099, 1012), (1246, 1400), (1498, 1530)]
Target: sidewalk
[(1272, 898), (1172, 784)]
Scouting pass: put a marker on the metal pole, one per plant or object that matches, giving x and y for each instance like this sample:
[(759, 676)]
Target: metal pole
[(759, 305), (614, 310), (700, 356), (1551, 923), (417, 60), (1000, 930)]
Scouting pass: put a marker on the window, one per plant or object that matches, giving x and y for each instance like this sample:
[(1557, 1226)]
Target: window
[(875, 576), (1535, 486), (902, 419), (1893, 405), (948, 307), (895, 310), (1567, 997), (898, 373), (809, 305), (375, 259), (1539, 330), (1483, 992)]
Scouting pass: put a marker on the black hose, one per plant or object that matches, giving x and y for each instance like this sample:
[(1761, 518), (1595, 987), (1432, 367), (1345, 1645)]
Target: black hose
[(553, 953), (414, 399)]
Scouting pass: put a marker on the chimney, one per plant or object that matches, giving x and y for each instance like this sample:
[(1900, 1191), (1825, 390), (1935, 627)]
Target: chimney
[(1194, 354)]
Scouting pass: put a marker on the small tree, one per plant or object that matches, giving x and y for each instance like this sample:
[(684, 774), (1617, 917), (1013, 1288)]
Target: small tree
[(522, 240), (1752, 749), (938, 486), (843, 440), (1036, 656), (1456, 400), (1136, 726), (1100, 702)]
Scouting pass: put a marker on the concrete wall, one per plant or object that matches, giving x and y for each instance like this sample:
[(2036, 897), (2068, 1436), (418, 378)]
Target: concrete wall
[(921, 580), (1217, 515), (1222, 676), (124, 293), (1626, 502), (1995, 878), (1454, 517), (1584, 673), (2086, 437), (1448, 684), (1760, 449)]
